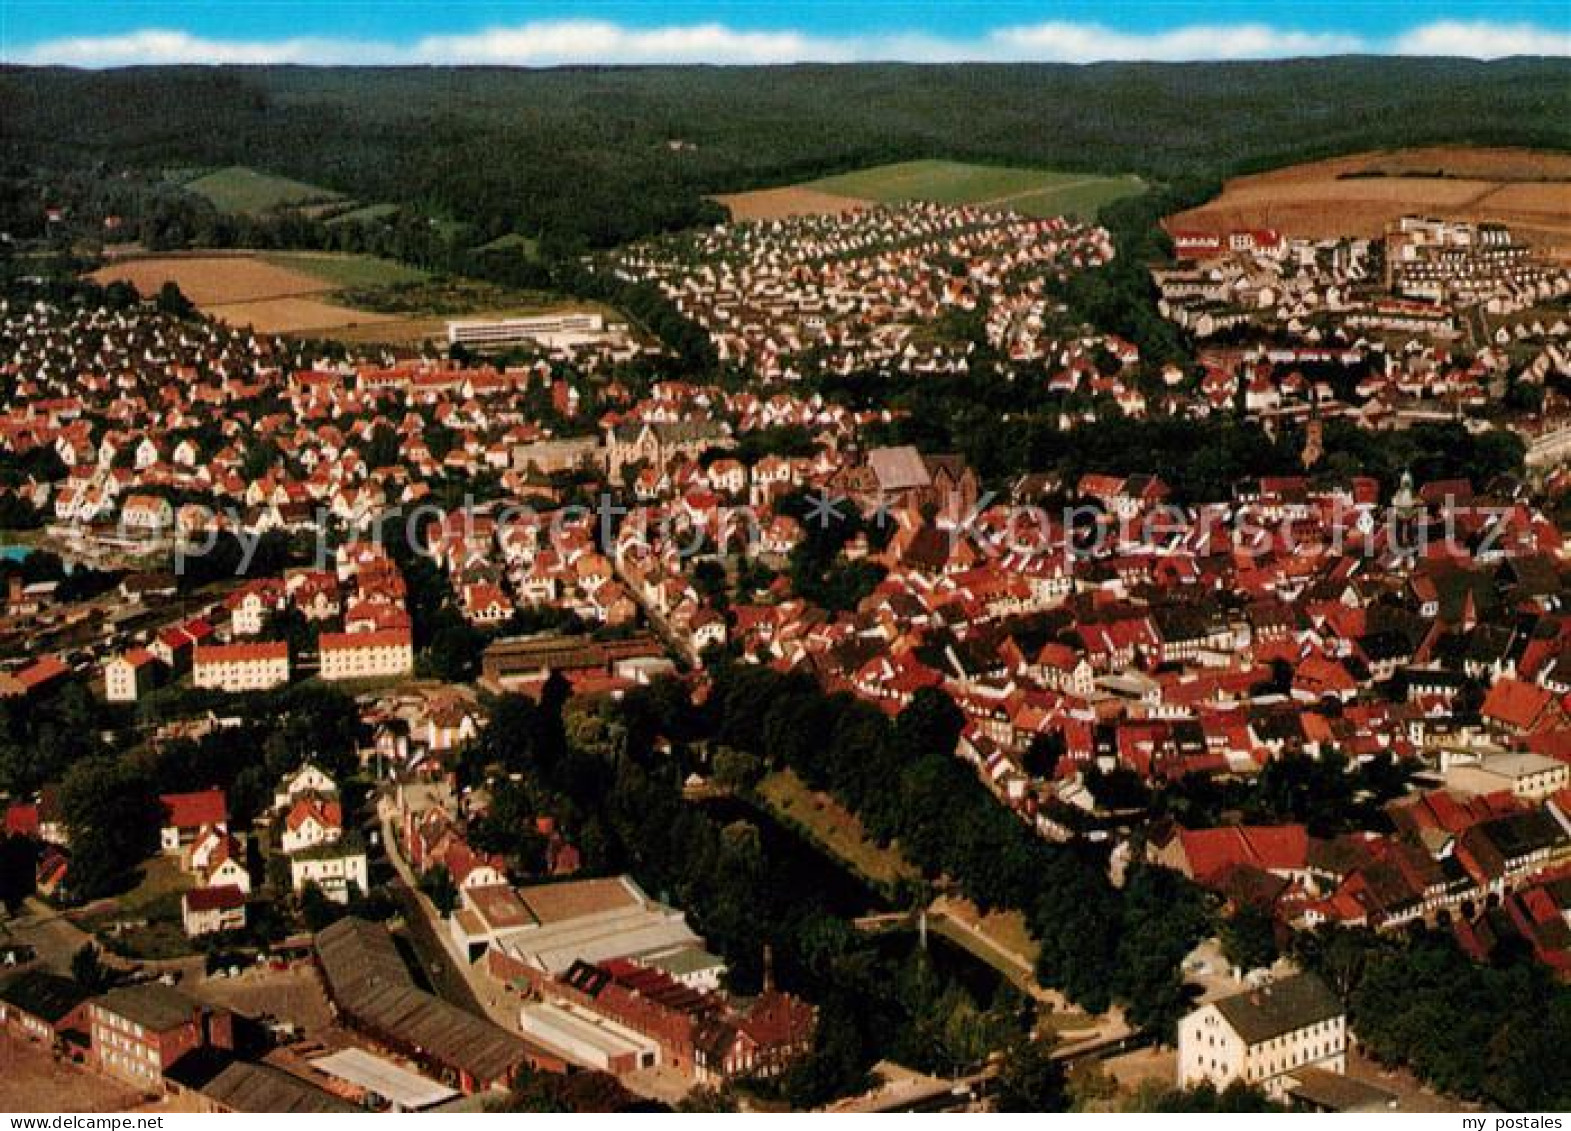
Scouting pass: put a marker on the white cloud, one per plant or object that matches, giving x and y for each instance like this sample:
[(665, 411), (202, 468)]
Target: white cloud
[(1090, 43), (1482, 40), (557, 42), (153, 45)]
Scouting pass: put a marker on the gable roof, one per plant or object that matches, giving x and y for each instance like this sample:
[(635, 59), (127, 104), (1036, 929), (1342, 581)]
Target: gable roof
[(193, 810), (1280, 1008)]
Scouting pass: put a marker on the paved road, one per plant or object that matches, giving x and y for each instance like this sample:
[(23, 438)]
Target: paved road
[(438, 965), (54, 937), (452, 979)]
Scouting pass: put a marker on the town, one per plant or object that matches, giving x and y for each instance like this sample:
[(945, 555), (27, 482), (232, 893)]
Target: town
[(916, 655)]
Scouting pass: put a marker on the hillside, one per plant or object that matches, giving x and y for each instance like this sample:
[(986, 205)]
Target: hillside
[(594, 156)]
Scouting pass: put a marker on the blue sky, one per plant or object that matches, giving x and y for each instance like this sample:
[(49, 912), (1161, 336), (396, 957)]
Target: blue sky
[(116, 32)]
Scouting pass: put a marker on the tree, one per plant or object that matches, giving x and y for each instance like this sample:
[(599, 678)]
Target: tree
[(317, 911), (113, 815), (1030, 1079), (172, 301), (1249, 938), (88, 970), (440, 890), (735, 769), (18, 870)]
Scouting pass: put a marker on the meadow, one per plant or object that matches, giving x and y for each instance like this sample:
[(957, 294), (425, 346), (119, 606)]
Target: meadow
[(240, 189), (357, 298), (1034, 192)]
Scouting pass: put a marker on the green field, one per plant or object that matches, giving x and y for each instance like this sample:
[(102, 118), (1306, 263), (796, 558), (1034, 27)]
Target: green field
[(347, 272), (363, 214), (1034, 192), (242, 189), (511, 242)]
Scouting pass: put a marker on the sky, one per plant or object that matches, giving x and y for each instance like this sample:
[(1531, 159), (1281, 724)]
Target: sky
[(107, 33)]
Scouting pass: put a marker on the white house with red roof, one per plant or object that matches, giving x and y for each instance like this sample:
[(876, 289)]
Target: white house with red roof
[(130, 675), (212, 910), (241, 667), (187, 814), (366, 655), (311, 821)]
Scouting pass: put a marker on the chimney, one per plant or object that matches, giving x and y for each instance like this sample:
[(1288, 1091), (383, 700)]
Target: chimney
[(769, 969)]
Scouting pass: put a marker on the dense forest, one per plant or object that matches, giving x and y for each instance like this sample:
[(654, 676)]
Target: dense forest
[(588, 157)]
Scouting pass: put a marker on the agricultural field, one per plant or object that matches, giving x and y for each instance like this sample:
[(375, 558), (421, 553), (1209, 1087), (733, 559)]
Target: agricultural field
[(271, 292), (354, 298), (1359, 194), (1033, 192), (246, 190)]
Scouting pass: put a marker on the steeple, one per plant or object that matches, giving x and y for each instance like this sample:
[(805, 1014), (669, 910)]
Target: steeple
[(1405, 501)]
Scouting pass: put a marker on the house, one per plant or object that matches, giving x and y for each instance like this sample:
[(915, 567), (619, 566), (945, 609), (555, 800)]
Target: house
[(334, 866), (1531, 777), (34, 679), (775, 1030), (1515, 707), (130, 676), (186, 815), (212, 910), (1203, 854), (139, 1031), (45, 1008), (366, 655), (147, 514), (311, 821), (308, 779), (1261, 1036), (241, 667), (218, 859)]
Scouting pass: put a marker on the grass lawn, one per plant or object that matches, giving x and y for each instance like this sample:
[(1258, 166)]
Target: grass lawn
[(1035, 192), (239, 188), (347, 271), (156, 899), (1004, 930), (511, 242), (362, 214), (833, 826)]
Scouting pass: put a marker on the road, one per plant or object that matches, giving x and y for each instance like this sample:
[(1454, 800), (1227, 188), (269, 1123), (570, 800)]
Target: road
[(453, 979), (52, 936)]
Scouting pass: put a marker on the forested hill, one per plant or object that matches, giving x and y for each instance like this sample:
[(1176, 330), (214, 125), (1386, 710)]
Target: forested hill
[(598, 155)]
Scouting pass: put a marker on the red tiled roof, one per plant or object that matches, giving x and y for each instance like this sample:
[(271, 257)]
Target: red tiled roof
[(1516, 703), (242, 653), (348, 641), (225, 897), (1271, 848), (21, 819), (193, 810)]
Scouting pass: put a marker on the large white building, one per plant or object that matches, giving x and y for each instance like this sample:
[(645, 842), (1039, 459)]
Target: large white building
[(367, 655), (241, 667), (130, 676), (1262, 1036), (332, 866), (565, 328)]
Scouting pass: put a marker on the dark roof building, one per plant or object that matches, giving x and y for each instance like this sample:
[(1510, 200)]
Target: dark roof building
[(42, 1005), (247, 1087), (1280, 1008), (372, 989)]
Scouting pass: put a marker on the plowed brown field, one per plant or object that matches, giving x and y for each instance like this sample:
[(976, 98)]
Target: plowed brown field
[(1360, 194)]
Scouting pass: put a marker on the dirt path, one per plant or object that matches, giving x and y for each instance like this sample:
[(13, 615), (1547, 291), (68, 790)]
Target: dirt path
[(1040, 190)]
